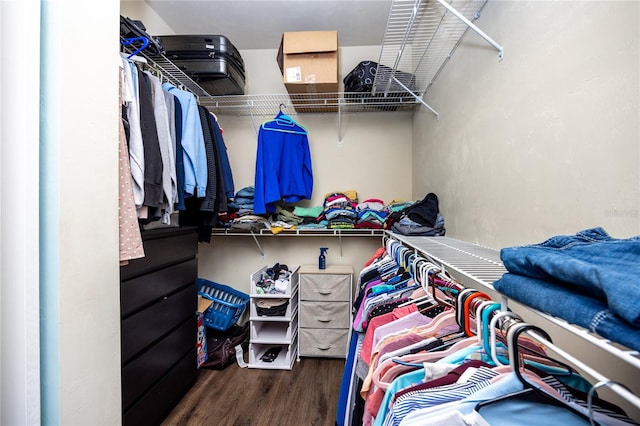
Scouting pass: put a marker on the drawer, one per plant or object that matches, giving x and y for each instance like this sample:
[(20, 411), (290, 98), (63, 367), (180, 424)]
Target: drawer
[(162, 248), (325, 314), (146, 289), (323, 342), (157, 403), (145, 370), (325, 287), (145, 327)]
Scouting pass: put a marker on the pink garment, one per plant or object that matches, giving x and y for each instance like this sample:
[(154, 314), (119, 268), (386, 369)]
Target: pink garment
[(381, 320), (412, 319), (130, 238)]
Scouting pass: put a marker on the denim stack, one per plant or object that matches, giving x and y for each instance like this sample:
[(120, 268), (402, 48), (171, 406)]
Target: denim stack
[(589, 279)]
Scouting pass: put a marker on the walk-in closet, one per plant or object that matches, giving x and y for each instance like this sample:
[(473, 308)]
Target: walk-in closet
[(476, 206)]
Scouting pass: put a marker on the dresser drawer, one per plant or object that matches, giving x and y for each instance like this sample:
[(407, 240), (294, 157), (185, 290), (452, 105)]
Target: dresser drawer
[(140, 374), (325, 287), (144, 328), (162, 248), (163, 395), (324, 314), (146, 289), (323, 342)]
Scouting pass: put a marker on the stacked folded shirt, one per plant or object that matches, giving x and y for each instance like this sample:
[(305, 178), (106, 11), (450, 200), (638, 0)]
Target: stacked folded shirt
[(371, 214), (340, 211)]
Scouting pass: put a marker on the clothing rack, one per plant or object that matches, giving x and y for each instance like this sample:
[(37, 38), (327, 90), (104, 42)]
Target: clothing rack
[(477, 267)]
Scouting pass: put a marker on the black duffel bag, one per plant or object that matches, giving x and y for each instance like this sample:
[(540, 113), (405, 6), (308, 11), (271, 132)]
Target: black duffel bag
[(221, 346), (358, 85), (361, 78)]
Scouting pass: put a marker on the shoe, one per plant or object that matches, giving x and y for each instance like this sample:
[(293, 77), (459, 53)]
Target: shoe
[(271, 354)]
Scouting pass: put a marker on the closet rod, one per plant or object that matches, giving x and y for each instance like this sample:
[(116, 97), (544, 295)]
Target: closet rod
[(620, 390)]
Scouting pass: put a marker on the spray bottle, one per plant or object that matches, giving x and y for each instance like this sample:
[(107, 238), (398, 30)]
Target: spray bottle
[(322, 260)]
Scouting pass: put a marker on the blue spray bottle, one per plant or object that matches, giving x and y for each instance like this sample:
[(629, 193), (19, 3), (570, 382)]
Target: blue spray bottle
[(322, 260)]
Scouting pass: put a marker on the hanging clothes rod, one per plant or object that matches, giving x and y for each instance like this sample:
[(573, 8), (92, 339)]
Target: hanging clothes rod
[(615, 387)]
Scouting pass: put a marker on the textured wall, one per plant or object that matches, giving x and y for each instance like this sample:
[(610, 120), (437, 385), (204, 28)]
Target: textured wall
[(546, 141)]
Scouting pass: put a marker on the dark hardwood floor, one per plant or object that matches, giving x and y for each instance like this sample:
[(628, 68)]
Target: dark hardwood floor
[(306, 395)]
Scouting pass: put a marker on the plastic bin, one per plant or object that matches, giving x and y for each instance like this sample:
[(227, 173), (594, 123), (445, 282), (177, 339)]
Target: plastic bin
[(228, 304)]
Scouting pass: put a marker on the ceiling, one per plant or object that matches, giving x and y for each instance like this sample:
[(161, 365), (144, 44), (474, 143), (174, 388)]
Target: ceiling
[(259, 24)]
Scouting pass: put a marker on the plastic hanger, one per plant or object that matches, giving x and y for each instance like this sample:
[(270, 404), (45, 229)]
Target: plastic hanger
[(131, 40), (482, 320), (283, 123), (492, 333), (467, 310), (530, 392)]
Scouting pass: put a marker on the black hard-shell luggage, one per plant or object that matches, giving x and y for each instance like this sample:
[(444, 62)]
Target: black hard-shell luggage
[(212, 61), (182, 47), (217, 76)]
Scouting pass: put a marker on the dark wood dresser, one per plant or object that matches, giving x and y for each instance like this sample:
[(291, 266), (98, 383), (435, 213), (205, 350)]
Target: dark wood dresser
[(158, 298)]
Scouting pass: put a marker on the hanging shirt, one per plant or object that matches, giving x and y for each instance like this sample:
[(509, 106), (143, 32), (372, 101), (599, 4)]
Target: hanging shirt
[(194, 155)]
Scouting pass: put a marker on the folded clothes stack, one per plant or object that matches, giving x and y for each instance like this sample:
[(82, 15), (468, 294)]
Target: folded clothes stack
[(589, 279)]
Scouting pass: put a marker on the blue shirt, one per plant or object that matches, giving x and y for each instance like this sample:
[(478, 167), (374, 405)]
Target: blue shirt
[(194, 154)]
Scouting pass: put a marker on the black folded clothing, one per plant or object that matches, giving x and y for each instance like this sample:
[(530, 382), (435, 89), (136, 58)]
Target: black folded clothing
[(272, 307)]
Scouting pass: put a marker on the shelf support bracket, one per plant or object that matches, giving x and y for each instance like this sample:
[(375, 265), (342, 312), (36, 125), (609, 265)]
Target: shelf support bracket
[(339, 125), (418, 98), (477, 30), (260, 249)]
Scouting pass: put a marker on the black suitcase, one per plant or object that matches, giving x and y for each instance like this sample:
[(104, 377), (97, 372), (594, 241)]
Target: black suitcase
[(183, 47), (216, 75)]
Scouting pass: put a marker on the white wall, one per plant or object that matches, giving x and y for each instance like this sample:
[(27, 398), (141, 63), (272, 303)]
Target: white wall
[(546, 141)]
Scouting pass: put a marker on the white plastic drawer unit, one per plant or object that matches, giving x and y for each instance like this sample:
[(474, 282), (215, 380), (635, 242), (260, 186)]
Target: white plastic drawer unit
[(325, 310)]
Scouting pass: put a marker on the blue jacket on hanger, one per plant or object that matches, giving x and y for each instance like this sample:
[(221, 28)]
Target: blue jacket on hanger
[(283, 164)]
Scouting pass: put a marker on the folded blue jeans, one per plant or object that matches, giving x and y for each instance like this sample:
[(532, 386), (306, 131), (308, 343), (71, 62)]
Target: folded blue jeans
[(591, 263), (574, 307)]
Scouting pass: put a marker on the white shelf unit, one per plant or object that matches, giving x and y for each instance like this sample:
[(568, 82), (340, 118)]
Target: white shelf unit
[(479, 267), (267, 332)]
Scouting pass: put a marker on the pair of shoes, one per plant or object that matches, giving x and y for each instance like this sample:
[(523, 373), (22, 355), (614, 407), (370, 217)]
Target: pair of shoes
[(271, 354)]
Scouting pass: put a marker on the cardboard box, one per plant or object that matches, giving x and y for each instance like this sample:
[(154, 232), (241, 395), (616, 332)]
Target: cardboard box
[(201, 340), (308, 61)]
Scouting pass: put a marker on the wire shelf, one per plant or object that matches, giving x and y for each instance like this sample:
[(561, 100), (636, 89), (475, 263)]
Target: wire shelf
[(343, 102), (473, 265), (420, 38)]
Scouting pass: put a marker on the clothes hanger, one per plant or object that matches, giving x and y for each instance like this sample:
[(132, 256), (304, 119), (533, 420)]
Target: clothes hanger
[(467, 311), (132, 40), (460, 305), (492, 333), (482, 322), (283, 123), (530, 392)]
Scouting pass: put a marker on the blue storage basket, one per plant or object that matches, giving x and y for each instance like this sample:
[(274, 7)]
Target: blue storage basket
[(228, 304)]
